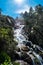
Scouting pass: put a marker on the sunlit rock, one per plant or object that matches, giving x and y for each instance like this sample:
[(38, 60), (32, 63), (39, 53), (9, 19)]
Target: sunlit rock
[(25, 48)]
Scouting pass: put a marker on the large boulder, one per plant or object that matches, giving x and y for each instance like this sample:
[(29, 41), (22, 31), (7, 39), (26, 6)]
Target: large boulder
[(25, 48)]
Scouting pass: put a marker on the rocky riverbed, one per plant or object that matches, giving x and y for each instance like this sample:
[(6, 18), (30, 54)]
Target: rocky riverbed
[(28, 54)]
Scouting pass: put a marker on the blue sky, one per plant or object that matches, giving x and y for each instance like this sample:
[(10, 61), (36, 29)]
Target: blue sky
[(15, 7)]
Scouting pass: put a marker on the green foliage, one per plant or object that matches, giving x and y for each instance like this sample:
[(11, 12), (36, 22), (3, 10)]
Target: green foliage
[(34, 22), (5, 33), (7, 42), (7, 63), (4, 57), (39, 9), (6, 38)]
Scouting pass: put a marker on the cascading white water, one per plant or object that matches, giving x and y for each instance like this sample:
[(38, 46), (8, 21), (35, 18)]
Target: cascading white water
[(18, 33), (39, 58), (20, 38)]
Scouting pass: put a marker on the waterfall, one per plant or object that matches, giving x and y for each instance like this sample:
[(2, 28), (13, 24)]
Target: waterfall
[(39, 58), (19, 37)]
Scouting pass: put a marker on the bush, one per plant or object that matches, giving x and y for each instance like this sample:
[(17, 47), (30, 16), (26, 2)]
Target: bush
[(7, 63), (4, 57)]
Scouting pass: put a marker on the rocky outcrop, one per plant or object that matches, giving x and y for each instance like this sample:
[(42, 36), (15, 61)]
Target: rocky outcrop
[(6, 21)]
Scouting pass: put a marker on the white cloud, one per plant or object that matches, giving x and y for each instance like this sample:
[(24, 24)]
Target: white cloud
[(19, 2), (23, 9), (21, 6)]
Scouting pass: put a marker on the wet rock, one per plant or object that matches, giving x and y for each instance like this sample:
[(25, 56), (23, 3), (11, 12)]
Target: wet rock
[(25, 48), (36, 61), (17, 49), (26, 58), (41, 54), (21, 62), (28, 43)]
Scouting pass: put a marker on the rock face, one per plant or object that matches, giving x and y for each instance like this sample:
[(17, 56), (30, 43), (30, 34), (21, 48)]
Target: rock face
[(6, 21)]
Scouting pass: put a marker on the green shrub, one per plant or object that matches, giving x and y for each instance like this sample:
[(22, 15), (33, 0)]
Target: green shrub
[(4, 57), (7, 63)]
